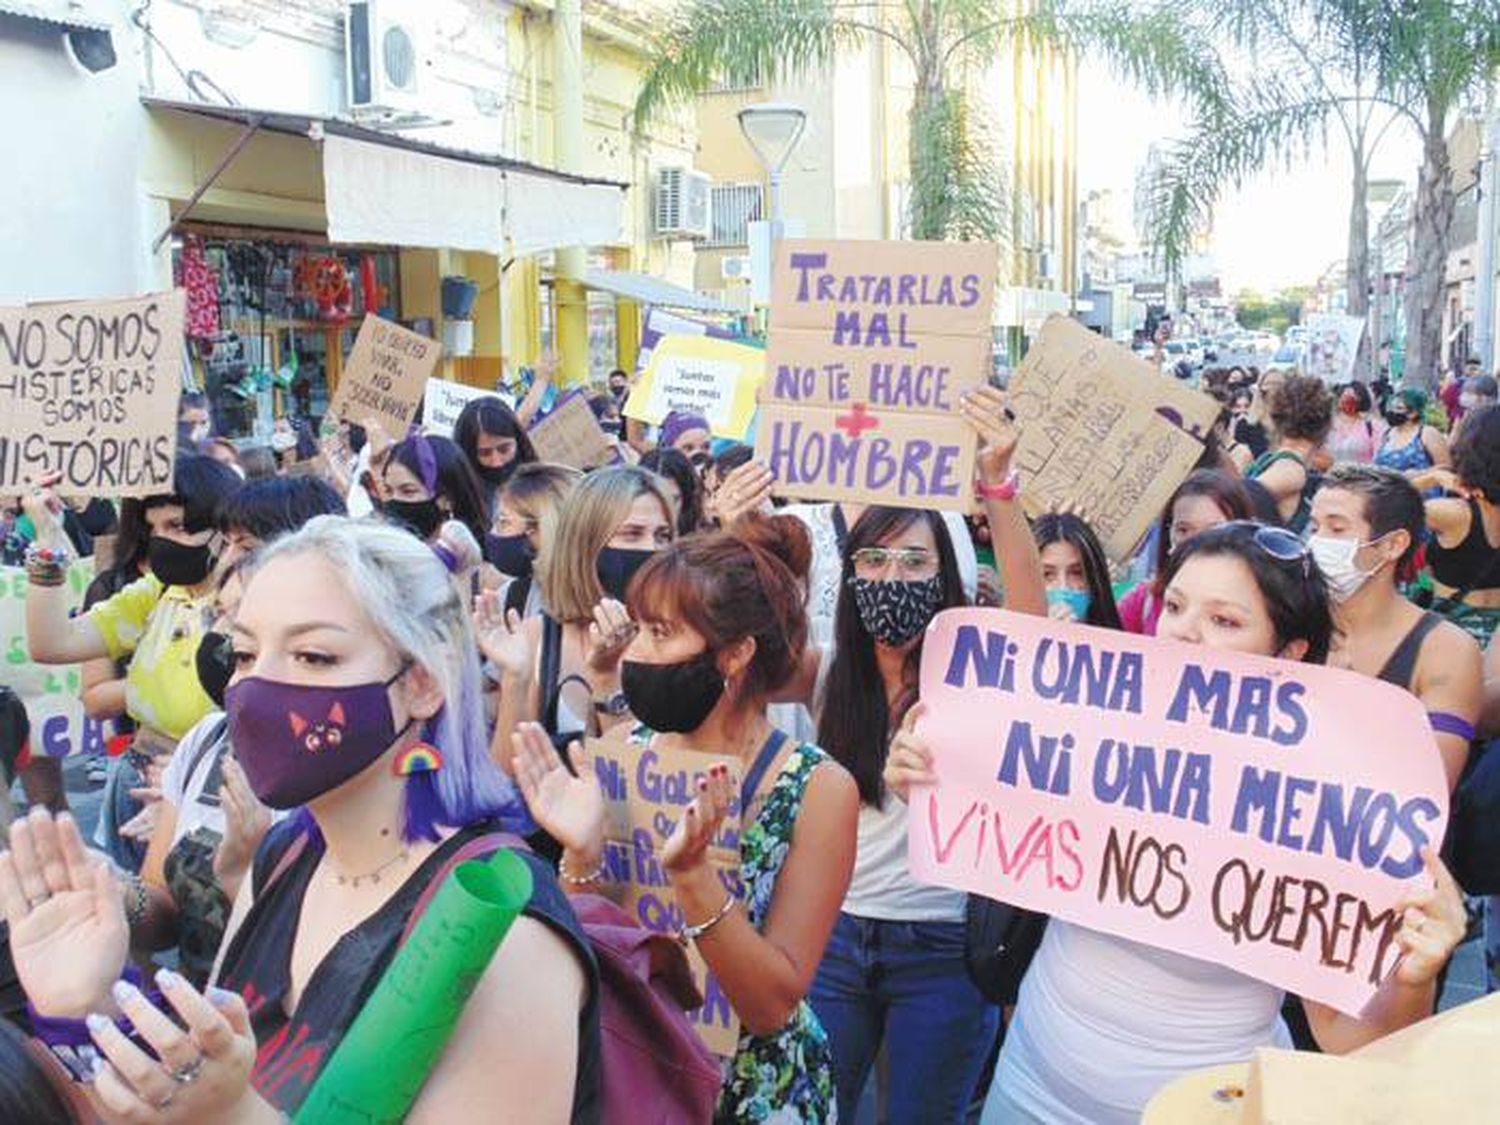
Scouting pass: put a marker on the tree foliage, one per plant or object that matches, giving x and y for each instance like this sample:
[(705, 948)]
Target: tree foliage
[(957, 189)]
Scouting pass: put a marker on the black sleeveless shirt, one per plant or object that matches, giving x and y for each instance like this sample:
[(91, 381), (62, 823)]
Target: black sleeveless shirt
[(291, 1052)]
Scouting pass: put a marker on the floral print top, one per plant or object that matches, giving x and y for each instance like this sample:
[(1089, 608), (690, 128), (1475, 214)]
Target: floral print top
[(786, 1077)]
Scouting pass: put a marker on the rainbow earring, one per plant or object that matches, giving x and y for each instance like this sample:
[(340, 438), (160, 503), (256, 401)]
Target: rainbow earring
[(419, 757)]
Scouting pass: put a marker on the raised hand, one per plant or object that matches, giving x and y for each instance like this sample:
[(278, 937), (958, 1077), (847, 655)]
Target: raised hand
[(984, 409), (909, 761), (746, 489), (246, 822), (501, 638), (610, 634), (202, 1069), (570, 806), (686, 849), (1432, 924), (68, 934), (45, 507)]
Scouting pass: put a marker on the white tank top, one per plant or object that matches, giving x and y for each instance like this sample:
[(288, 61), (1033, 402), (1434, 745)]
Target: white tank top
[(1103, 1023)]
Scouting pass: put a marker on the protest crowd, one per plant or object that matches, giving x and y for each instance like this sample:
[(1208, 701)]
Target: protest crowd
[(457, 772)]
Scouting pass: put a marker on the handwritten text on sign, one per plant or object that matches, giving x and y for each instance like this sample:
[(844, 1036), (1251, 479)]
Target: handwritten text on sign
[(871, 346), (51, 692), (89, 389), (1103, 432), (1215, 804), (385, 376), (645, 791)]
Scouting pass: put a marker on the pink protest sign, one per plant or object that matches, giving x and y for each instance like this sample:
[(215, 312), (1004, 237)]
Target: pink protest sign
[(1259, 813)]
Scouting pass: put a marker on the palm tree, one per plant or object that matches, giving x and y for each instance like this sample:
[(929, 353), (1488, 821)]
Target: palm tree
[(1344, 68), (955, 191)]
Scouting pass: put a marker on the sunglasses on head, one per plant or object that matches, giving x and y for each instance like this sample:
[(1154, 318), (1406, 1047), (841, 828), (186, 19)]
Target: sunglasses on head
[(1278, 542)]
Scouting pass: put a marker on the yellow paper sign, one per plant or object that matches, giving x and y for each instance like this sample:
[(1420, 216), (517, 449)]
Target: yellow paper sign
[(701, 375)]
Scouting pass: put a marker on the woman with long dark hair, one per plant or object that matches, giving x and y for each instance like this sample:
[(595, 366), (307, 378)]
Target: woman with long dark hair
[(493, 439), (1075, 571), (894, 971), (683, 484), (428, 481)]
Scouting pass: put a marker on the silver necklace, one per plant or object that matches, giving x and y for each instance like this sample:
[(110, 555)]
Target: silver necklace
[(371, 876)]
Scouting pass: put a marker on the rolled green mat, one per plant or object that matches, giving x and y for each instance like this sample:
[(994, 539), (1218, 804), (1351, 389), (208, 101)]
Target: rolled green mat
[(379, 1067)]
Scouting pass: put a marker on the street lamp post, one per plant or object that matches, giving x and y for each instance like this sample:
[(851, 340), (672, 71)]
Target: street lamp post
[(773, 130)]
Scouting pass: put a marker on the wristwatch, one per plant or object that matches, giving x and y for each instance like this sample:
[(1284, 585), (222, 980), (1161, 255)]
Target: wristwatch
[(613, 705)]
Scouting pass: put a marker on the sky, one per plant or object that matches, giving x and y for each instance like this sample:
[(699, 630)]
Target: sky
[(1284, 227)]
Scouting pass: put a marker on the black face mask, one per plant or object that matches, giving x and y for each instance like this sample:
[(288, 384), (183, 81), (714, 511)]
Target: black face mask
[(673, 698), (496, 475), (177, 564), (897, 612), (611, 426), (617, 566), (421, 517), (1392, 418), (701, 462), (215, 662), (509, 554)]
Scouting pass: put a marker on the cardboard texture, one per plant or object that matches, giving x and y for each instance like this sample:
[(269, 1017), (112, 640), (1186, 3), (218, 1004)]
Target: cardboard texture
[(716, 378), (1211, 803), (1436, 1072), (1103, 432), (89, 389), (570, 435), (385, 376), (871, 346), (645, 792)]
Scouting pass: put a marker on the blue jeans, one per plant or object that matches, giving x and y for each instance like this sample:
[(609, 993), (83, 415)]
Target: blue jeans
[(904, 984)]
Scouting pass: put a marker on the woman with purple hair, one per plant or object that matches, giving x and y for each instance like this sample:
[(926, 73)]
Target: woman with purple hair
[(355, 700)]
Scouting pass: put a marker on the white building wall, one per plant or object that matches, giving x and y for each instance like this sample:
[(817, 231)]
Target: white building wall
[(70, 217)]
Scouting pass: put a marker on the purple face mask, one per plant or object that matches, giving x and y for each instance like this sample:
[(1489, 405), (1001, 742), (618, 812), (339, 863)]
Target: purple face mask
[(296, 742)]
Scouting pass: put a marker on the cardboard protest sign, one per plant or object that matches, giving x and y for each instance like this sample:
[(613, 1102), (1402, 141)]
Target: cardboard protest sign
[(51, 692), (443, 402), (1331, 346), (703, 375), (385, 376), (1103, 432), (1211, 803), (645, 791), (89, 389), (570, 435), (871, 346), (660, 324)]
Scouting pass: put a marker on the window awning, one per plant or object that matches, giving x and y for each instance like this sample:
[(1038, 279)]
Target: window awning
[(651, 291), (38, 13), (386, 189)]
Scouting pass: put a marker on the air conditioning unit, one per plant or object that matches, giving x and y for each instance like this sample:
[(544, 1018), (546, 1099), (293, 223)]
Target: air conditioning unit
[(736, 267), (385, 55), (682, 203)]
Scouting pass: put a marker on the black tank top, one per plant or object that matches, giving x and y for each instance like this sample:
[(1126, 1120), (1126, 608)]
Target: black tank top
[(1402, 665), (291, 1051), (1473, 564)]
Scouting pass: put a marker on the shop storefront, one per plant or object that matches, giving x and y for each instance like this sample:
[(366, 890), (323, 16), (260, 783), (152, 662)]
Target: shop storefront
[(271, 314)]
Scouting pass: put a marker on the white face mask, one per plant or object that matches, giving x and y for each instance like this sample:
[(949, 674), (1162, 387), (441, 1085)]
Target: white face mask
[(1335, 558)]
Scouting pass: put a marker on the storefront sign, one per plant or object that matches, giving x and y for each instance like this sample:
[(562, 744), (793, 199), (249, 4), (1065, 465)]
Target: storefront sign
[(872, 345), (700, 375), (89, 389), (385, 376), (1102, 432), (645, 791), (51, 692), (570, 435), (443, 402), (1211, 803)]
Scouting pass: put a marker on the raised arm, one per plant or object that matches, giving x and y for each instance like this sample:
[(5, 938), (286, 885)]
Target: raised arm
[(52, 637), (1015, 548)]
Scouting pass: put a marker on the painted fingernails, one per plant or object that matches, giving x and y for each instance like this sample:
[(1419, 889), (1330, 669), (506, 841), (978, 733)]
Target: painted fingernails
[(96, 1023), (167, 980), (219, 997), (124, 992)]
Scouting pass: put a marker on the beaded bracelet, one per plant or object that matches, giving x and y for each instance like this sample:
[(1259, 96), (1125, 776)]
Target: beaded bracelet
[(579, 880), (47, 566)]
